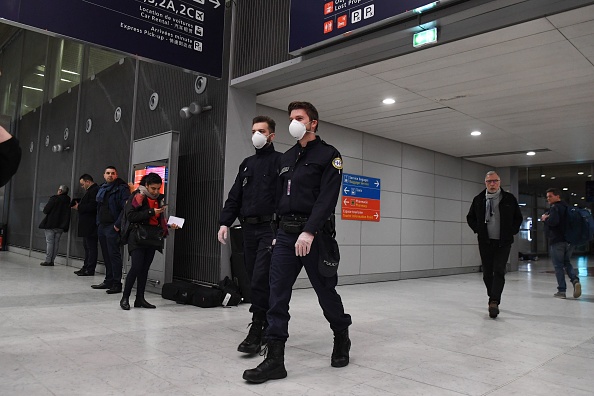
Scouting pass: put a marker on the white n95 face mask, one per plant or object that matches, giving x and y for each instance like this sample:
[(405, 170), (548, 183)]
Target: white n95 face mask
[(259, 140), (297, 129)]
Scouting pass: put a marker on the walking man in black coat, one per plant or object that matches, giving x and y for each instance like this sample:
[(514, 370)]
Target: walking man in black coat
[(495, 217), (55, 222), (87, 224)]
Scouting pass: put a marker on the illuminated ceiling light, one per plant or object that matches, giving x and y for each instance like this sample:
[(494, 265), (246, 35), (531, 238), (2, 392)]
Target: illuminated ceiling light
[(388, 101), (530, 153), (63, 79), (589, 175), (542, 175), (69, 72), (583, 198), (39, 74), (33, 88), (574, 204), (580, 173), (475, 133), (553, 177), (565, 188), (424, 8)]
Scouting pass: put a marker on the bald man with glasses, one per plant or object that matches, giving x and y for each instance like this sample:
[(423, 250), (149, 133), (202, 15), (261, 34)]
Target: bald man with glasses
[(495, 217)]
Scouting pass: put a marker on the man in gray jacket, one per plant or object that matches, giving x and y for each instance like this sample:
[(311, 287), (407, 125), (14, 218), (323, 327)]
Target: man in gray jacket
[(55, 222)]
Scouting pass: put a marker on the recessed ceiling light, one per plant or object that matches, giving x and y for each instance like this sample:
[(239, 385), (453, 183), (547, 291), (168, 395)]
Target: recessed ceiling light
[(574, 204), (542, 175), (530, 153), (580, 173), (475, 133), (589, 175), (583, 198), (553, 177), (565, 188), (388, 101)]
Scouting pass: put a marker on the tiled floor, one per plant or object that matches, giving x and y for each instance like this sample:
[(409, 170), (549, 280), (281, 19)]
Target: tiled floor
[(416, 337)]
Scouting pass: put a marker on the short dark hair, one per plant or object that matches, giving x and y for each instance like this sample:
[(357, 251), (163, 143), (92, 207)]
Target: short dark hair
[(310, 109), (86, 177), (151, 178), (266, 119), (111, 167), (555, 191)]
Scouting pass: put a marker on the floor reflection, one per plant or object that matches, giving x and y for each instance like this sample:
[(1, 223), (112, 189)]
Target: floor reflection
[(545, 265)]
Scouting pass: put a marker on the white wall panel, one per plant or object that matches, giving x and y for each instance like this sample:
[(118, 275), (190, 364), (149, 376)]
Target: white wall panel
[(415, 258), (447, 256), (385, 232), (348, 232), (417, 158), (418, 207), (379, 259), (350, 260), (419, 183), (417, 232), (385, 151), (447, 233), (448, 210), (391, 176), (446, 165), (447, 187), (391, 204), (470, 256)]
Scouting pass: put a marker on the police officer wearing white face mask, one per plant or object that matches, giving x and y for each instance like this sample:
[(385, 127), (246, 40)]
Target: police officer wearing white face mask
[(252, 200), (310, 175)]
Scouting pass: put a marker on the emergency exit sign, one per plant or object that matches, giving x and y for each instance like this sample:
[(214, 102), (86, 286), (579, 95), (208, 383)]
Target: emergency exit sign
[(425, 37)]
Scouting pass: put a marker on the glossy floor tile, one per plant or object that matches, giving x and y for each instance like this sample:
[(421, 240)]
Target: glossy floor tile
[(428, 336)]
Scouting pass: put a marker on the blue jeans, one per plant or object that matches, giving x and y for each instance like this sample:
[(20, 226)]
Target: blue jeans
[(52, 240), (560, 253)]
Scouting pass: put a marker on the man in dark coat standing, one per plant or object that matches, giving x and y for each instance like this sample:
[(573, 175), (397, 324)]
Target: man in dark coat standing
[(87, 224), (55, 222), (496, 217), (111, 199)]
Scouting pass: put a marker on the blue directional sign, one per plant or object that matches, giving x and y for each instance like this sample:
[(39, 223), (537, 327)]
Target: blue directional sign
[(184, 33), (360, 198), (360, 192)]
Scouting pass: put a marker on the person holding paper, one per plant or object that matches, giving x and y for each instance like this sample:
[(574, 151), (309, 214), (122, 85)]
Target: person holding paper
[(145, 212)]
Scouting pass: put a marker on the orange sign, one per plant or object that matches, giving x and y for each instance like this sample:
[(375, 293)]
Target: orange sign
[(360, 214)]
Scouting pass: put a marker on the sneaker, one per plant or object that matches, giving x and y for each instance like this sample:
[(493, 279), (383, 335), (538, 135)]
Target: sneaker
[(493, 309), (46, 264), (559, 295), (577, 289)]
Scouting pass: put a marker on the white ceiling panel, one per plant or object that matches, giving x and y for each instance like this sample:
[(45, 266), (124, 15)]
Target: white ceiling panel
[(529, 86)]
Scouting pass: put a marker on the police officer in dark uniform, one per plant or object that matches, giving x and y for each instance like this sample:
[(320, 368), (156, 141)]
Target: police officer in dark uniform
[(308, 188), (252, 200)]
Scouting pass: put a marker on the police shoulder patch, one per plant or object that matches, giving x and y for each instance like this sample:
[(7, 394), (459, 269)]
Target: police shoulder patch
[(337, 163)]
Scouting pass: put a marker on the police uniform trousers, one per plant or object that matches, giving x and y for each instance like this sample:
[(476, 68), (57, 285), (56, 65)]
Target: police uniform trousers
[(257, 242), (284, 269)]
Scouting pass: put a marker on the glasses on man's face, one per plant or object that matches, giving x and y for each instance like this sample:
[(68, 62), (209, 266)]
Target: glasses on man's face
[(492, 181)]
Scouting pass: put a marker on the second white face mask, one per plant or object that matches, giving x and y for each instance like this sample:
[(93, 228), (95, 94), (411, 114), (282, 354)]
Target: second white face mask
[(259, 140), (297, 129)]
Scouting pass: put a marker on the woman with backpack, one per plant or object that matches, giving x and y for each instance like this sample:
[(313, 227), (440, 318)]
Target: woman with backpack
[(147, 230)]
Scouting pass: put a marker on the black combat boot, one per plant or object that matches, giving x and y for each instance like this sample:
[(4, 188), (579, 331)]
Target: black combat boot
[(254, 339), (342, 346), (273, 367)]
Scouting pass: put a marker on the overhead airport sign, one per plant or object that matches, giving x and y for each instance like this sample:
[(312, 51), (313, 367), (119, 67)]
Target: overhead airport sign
[(184, 33), (314, 23), (360, 198)]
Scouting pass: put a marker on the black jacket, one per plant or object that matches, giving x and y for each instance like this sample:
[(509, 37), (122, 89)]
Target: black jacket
[(309, 182), (555, 222), (254, 190), (57, 213), (10, 158), (87, 213), (511, 218), (139, 215)]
